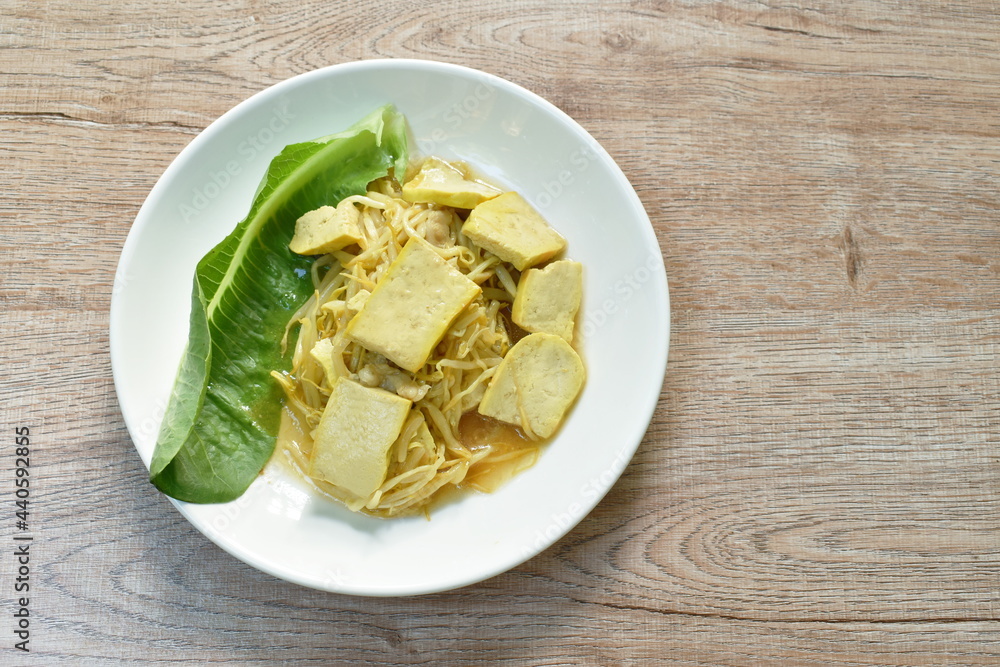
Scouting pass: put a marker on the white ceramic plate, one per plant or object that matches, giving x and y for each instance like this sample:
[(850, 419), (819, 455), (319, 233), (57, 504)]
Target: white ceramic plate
[(514, 138)]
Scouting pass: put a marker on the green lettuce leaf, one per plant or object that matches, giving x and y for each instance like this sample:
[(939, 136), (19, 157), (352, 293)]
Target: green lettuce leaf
[(221, 422)]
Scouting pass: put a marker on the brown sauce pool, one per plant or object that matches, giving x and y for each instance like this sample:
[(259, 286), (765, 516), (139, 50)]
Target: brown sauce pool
[(511, 451)]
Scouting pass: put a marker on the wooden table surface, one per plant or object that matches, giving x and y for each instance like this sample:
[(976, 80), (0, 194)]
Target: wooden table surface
[(820, 484)]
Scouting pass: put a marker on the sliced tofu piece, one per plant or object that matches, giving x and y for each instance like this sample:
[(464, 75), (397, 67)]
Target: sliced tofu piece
[(535, 384), (351, 444), (327, 229), (548, 299), (412, 307), (448, 184), (512, 230)]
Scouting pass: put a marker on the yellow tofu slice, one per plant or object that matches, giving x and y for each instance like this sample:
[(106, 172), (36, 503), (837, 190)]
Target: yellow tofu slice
[(548, 299), (512, 230), (535, 384), (351, 444), (448, 184), (327, 229), (412, 307)]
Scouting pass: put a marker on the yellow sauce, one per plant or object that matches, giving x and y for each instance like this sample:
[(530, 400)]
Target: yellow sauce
[(510, 451)]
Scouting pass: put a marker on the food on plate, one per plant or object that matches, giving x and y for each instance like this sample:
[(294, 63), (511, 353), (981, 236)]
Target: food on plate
[(535, 384), (326, 229), (352, 441), (418, 312), (448, 184), (415, 347), (548, 299), (224, 411), (411, 307), (512, 230)]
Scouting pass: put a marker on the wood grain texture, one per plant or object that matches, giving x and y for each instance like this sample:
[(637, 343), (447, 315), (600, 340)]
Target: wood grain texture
[(820, 484)]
